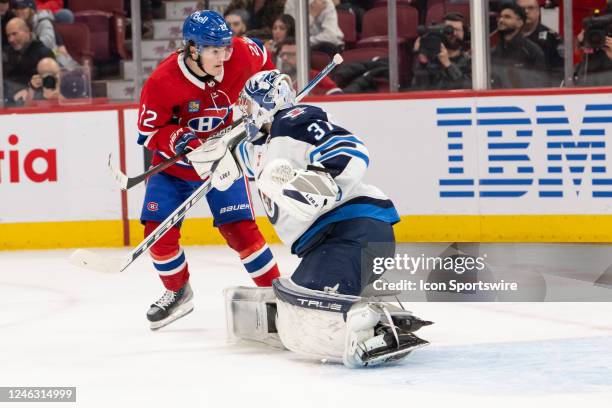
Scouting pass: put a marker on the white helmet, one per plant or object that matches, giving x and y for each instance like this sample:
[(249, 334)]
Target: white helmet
[(264, 94)]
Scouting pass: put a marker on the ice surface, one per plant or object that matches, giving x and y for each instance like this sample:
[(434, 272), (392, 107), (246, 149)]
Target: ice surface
[(65, 326)]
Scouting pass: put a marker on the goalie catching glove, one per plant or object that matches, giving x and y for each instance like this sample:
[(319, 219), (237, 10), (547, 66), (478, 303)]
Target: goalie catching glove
[(214, 159), (301, 193)]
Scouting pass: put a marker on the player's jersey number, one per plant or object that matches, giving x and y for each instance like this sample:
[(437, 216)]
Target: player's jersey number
[(317, 130), (147, 116)]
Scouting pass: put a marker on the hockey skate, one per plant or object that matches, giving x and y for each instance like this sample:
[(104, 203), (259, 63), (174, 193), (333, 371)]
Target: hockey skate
[(393, 337), (171, 306)]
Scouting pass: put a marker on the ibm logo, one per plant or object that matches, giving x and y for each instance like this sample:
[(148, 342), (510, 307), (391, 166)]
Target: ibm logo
[(574, 162)]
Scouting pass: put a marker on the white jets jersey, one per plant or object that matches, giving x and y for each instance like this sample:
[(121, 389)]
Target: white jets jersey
[(303, 135)]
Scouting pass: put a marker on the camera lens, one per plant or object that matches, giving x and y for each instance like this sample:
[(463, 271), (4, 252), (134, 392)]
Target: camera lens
[(49, 82)]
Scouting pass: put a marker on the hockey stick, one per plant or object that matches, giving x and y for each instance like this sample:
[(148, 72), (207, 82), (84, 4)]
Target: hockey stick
[(234, 131), (95, 261)]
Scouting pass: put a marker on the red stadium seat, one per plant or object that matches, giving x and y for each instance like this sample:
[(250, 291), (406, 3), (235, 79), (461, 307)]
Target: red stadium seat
[(99, 23), (318, 60), (348, 24), (367, 54), (375, 22), (112, 6), (437, 11), (77, 40), (383, 3), (364, 54), (92, 11)]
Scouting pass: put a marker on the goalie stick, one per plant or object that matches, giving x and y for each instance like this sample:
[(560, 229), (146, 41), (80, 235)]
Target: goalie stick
[(92, 260), (234, 132)]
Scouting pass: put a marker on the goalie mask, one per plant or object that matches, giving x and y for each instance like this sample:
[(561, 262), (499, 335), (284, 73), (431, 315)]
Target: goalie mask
[(264, 94)]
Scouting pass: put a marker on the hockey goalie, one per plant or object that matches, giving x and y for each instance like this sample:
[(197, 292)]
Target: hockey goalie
[(309, 172)]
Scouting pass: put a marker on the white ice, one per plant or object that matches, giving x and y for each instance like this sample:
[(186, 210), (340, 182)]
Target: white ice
[(65, 326)]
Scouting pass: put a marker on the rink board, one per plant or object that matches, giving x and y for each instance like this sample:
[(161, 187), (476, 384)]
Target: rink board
[(530, 166)]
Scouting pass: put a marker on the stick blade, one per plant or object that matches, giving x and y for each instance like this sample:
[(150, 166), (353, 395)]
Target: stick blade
[(94, 261), (118, 176)]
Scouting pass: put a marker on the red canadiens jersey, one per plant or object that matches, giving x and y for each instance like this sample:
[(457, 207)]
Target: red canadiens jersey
[(174, 98)]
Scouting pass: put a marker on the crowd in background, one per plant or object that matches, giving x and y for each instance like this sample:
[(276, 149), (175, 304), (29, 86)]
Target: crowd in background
[(524, 52)]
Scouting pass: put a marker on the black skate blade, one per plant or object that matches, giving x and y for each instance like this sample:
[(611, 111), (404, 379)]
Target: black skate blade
[(175, 316), (412, 324), (408, 343)]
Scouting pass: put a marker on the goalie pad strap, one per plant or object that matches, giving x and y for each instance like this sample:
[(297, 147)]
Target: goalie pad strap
[(288, 292)]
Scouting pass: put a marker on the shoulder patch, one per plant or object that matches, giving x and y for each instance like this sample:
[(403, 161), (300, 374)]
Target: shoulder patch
[(294, 113)]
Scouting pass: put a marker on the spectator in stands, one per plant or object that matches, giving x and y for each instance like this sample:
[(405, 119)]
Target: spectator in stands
[(452, 67), (238, 20), (7, 14), (22, 57), (262, 13), (44, 85), (283, 28), (548, 40), (61, 14), (325, 33), (41, 24), (516, 61), (288, 65)]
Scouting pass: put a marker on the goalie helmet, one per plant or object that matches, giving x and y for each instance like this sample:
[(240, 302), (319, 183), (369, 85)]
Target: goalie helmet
[(264, 94)]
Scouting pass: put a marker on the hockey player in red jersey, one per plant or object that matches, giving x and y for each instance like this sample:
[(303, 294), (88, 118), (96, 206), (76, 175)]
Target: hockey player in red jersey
[(188, 98)]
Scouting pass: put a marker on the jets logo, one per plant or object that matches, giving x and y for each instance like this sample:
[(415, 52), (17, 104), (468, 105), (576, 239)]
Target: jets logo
[(214, 116)]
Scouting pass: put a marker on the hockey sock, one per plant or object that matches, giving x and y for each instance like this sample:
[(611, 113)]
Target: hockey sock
[(169, 258), (244, 237)]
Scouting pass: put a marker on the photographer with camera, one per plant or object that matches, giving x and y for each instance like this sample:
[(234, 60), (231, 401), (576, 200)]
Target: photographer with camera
[(441, 61), (45, 84), (516, 61), (595, 68)]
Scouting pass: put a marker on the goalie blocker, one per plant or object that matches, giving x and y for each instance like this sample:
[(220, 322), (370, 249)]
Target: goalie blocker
[(352, 330)]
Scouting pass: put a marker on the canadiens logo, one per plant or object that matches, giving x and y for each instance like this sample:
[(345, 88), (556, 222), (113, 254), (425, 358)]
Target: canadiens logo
[(194, 106), (214, 116), (152, 206)]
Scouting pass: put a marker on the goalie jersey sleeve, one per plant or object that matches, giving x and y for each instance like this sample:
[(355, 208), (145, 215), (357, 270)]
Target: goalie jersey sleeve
[(304, 135)]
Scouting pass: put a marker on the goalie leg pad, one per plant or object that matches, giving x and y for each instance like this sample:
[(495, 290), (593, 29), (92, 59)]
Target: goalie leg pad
[(311, 322), (343, 328), (250, 315)]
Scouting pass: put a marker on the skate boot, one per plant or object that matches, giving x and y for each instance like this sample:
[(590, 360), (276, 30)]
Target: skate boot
[(376, 335), (171, 306)]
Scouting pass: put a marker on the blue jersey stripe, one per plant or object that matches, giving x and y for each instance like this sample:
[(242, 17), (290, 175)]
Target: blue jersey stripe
[(350, 152), (259, 262), (344, 213), (334, 140), (165, 267)]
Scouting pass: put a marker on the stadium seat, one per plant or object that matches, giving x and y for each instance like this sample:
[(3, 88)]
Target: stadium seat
[(375, 22), (112, 6), (367, 54), (438, 10), (99, 23), (364, 54), (383, 3), (318, 60), (108, 38), (348, 24), (77, 40)]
